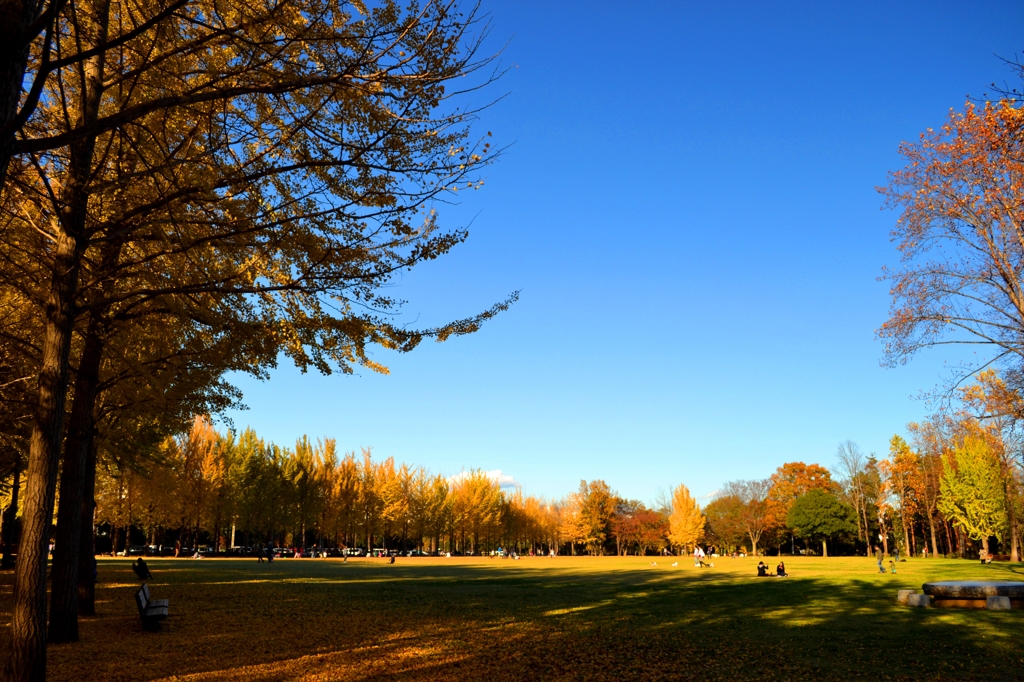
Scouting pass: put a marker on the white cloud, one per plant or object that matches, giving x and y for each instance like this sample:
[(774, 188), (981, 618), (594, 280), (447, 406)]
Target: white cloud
[(711, 495), (504, 480)]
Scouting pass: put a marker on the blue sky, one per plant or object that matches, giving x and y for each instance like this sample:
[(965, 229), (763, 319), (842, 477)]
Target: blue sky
[(688, 209)]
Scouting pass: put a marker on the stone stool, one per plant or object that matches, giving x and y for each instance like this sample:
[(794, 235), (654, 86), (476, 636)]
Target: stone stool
[(924, 600), (903, 596)]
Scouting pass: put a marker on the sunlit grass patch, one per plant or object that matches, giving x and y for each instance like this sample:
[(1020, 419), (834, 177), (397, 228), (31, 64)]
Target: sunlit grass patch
[(537, 618)]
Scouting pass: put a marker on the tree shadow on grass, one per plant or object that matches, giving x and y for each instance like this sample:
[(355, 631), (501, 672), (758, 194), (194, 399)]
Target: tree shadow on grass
[(325, 621)]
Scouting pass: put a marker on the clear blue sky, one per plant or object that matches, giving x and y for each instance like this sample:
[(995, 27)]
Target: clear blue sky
[(688, 207)]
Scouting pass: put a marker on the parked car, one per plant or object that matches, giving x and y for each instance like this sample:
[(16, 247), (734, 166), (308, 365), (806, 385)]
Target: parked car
[(378, 552), (353, 551), (284, 552)]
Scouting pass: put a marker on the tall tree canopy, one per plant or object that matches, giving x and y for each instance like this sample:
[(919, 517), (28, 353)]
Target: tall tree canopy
[(960, 235), (971, 490), (240, 170), (820, 515)]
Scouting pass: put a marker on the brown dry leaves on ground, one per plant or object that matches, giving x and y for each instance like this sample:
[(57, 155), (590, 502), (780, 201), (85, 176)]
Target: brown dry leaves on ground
[(584, 618)]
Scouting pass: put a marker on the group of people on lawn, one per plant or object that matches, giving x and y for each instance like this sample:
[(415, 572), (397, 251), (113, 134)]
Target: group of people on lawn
[(699, 557), (780, 570)]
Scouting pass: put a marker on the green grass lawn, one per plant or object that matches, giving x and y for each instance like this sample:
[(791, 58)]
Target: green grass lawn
[(540, 618)]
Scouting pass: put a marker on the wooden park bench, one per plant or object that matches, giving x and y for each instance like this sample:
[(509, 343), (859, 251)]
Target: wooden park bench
[(151, 611)]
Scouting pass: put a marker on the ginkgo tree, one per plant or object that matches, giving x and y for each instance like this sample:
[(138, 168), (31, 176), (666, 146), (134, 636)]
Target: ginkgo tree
[(686, 522), (972, 495), (270, 162)]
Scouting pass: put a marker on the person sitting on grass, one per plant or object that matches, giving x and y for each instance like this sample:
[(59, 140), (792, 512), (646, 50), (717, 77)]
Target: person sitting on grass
[(762, 570), (141, 569), (780, 570)]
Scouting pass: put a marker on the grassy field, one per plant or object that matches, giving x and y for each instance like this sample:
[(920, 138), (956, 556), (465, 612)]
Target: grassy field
[(564, 618)]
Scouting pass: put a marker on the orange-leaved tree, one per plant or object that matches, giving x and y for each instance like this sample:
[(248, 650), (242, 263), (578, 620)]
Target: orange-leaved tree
[(960, 236), (790, 481), (901, 473), (755, 514)]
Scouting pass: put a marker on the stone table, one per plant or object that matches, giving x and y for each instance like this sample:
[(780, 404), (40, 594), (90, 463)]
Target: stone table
[(974, 594)]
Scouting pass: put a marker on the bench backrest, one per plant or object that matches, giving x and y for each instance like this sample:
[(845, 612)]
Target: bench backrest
[(145, 591), (142, 600)]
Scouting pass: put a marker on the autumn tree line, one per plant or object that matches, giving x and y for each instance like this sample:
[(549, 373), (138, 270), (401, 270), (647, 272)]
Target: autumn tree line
[(952, 487), (224, 490)]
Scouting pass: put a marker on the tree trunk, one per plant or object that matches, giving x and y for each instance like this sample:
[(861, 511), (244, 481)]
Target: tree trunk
[(1014, 552), (28, 624), (861, 534), (906, 532), (867, 528), (11, 518), (87, 537), (64, 574), (931, 528), (824, 547)]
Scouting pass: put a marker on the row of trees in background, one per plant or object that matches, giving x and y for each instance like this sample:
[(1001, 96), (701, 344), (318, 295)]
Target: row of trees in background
[(205, 487), (953, 488)]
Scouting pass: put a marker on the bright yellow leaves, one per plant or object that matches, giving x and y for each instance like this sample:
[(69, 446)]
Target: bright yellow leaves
[(686, 523)]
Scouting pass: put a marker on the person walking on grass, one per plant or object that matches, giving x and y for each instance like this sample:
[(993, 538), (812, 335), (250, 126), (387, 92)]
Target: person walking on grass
[(879, 557)]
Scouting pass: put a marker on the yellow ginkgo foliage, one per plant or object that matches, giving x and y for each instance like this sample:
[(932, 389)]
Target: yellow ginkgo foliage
[(686, 524)]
